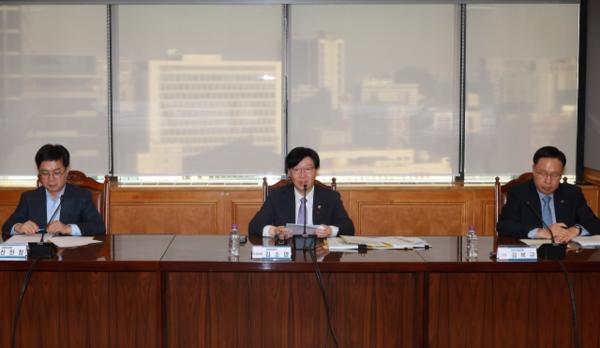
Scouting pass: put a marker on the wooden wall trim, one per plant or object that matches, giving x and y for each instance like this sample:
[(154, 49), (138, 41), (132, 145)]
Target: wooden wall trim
[(591, 175), (405, 210)]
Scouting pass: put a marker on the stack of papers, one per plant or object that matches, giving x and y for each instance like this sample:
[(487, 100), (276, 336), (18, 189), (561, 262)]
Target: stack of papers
[(391, 242), (584, 242), (338, 244), (588, 241)]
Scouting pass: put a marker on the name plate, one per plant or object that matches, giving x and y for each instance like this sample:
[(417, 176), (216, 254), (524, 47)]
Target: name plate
[(272, 252), (516, 253), (13, 252)]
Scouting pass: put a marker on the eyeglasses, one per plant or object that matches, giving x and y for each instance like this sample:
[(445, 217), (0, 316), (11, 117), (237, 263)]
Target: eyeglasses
[(546, 175), (55, 174), (307, 170)]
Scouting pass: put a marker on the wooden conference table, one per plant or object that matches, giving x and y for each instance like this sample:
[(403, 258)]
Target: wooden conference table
[(183, 291)]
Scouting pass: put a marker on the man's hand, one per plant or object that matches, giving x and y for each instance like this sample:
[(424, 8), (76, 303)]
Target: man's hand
[(280, 232), (562, 233), (566, 234), (28, 227), (323, 231), (56, 227)]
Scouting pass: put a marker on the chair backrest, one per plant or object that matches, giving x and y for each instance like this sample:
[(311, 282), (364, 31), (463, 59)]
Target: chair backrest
[(266, 188), (501, 191), (100, 192)]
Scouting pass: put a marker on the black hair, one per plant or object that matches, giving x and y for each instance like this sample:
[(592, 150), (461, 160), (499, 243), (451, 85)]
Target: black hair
[(549, 152), (298, 154), (51, 152)]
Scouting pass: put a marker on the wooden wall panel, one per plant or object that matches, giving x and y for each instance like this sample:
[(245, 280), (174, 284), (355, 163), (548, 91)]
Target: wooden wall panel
[(407, 210), (9, 198), (426, 210), (242, 213), (591, 196), (411, 218), (180, 217)]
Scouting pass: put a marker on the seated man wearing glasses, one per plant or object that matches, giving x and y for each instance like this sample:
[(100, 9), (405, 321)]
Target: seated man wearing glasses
[(56, 207), (284, 205), (562, 207)]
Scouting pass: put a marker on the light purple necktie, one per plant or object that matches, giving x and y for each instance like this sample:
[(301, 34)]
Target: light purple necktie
[(301, 211)]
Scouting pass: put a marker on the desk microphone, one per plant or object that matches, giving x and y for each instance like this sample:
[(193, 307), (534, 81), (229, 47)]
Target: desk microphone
[(43, 249), (43, 229), (557, 252), (304, 204), (554, 251), (304, 242)]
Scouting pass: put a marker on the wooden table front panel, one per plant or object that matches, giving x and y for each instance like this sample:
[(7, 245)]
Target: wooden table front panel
[(83, 309), (511, 309), (273, 309)]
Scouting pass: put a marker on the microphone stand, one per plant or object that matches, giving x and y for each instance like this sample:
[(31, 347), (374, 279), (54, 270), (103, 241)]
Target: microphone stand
[(304, 242), (554, 251), (41, 249)]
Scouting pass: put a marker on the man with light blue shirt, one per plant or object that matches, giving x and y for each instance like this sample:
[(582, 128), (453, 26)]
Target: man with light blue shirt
[(561, 206), (56, 207)]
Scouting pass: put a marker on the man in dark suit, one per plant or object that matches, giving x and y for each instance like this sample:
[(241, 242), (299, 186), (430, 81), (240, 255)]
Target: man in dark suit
[(284, 205), (56, 206), (562, 207)]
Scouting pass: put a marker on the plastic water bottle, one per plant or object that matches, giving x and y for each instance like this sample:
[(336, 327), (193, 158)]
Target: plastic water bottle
[(471, 243), (234, 241)]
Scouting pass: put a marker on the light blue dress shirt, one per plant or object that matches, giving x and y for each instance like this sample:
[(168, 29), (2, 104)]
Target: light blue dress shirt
[(532, 234)]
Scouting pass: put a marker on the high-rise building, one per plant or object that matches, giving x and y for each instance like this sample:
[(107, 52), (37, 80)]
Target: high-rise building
[(331, 66), (201, 102), (319, 64)]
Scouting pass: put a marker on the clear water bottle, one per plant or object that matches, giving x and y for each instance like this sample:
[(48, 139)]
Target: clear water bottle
[(234, 241), (471, 243)]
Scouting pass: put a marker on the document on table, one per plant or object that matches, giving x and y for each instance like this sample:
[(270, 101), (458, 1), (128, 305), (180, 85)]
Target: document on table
[(338, 244), (390, 242), (25, 238), (71, 242), (536, 242), (588, 241), (299, 229), (59, 241)]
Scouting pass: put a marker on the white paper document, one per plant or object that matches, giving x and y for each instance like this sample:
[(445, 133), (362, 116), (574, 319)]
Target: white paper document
[(26, 238), (588, 241), (338, 244), (59, 241), (299, 229), (536, 242), (390, 242), (71, 242)]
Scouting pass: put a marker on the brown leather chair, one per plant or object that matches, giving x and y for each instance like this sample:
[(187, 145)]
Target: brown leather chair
[(266, 188), (100, 192), (501, 191)]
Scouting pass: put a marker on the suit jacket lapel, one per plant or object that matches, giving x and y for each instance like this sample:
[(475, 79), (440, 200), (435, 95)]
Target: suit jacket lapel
[(534, 199), (39, 213), (289, 204), (317, 206), (559, 204), (64, 205)]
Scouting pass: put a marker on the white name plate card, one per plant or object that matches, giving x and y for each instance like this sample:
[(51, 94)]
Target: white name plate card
[(516, 253), (272, 252), (13, 252)]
